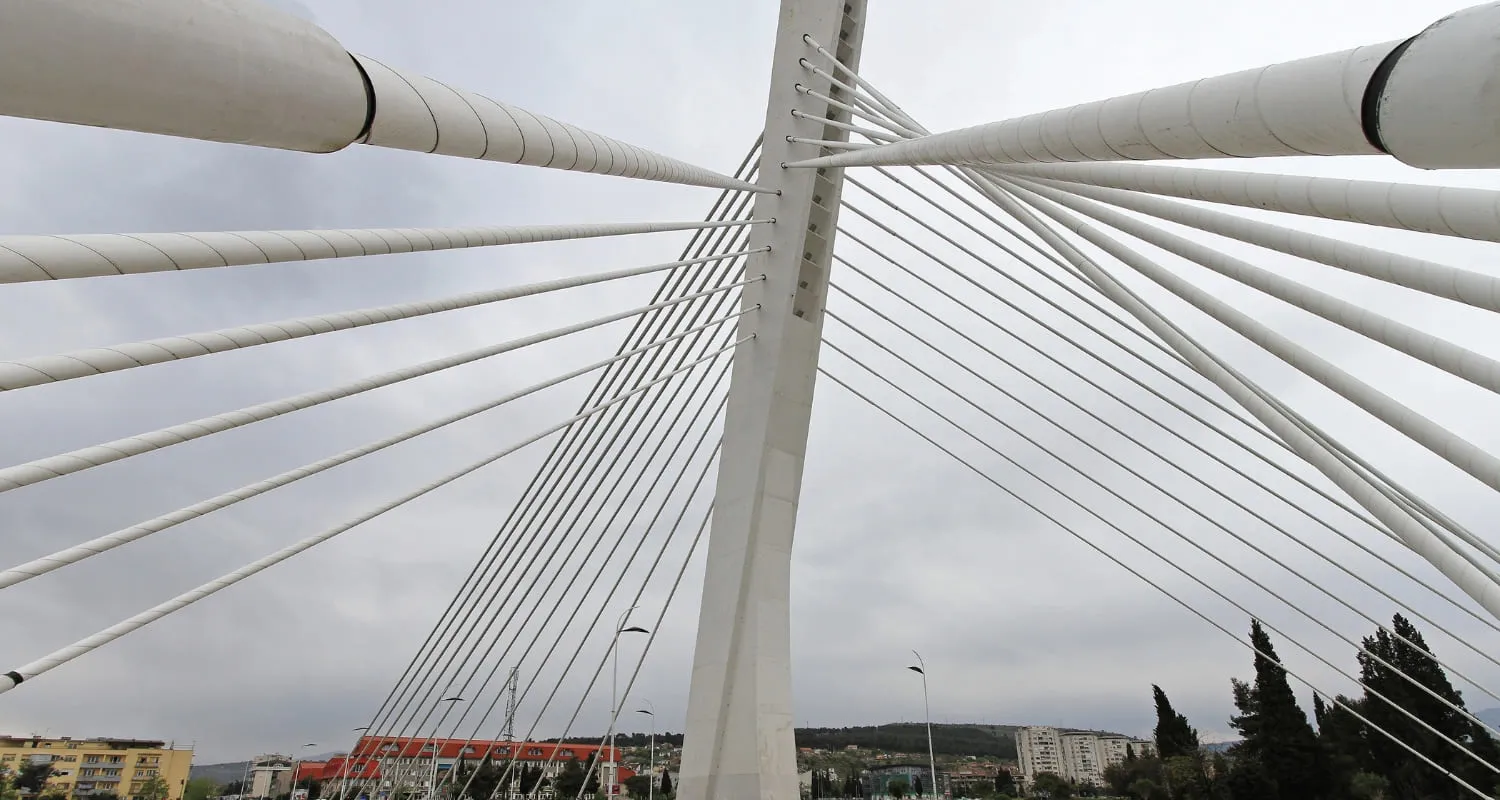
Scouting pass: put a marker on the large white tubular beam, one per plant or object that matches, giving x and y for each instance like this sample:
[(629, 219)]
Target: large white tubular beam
[(42, 258), (1465, 286), (242, 72), (739, 736), (1380, 98), (1443, 210)]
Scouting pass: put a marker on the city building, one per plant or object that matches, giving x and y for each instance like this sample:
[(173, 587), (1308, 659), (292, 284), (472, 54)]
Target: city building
[(84, 767), (1080, 757), (1081, 763), (876, 780), (393, 762), (1039, 749)]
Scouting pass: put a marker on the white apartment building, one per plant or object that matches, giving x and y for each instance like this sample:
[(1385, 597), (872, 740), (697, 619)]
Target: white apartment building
[(1077, 756), (1039, 749), (1081, 762)]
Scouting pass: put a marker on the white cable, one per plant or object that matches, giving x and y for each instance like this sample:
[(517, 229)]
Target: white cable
[(1444, 210), (1465, 286), (40, 258), (1478, 585), (44, 469), (95, 361), (455, 614), (1153, 584), (1477, 368), (72, 555), (1453, 448), (1190, 441), (52, 660), (1210, 485), (1191, 541)]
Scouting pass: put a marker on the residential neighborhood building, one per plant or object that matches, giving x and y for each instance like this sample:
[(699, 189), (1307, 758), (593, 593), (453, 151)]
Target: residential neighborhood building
[(876, 780), (1080, 757), (84, 767)]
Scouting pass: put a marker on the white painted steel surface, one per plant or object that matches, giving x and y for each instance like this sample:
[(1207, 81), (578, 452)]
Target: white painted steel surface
[(227, 71), (1431, 102), (239, 71), (40, 258), (1444, 210), (739, 737)]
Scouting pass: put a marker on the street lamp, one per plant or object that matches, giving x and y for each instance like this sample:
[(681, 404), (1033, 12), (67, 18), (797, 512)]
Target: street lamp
[(292, 761), (344, 777), (650, 711), (921, 669), (437, 750), (614, 700)]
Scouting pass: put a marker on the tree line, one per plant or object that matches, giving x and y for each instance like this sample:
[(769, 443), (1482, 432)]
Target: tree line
[(1353, 748)]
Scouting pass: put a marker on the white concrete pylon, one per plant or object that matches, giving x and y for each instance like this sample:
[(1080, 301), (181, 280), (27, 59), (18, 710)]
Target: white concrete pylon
[(739, 736), (1379, 98), (242, 72)]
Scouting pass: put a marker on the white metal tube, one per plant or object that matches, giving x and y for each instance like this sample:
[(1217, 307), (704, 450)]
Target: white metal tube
[(1484, 591), (1379, 98), (72, 555), (228, 71), (39, 258), (242, 72), (1444, 210), (1471, 288), (1305, 107), (14, 678), (45, 469), (96, 361), (1477, 368)]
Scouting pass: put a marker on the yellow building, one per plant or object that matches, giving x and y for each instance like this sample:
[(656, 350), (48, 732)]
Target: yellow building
[(83, 768)]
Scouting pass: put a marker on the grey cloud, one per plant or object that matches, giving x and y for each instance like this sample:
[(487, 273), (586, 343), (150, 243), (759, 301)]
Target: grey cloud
[(898, 547)]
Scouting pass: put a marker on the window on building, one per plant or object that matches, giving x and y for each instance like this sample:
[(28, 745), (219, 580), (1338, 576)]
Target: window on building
[(504, 751), (534, 751)]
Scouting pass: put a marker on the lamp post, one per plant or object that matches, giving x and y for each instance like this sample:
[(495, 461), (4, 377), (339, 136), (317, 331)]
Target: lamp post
[(292, 761), (344, 777), (614, 699), (921, 669), (437, 750), (650, 711)]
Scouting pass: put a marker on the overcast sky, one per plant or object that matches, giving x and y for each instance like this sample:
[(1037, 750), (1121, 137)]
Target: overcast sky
[(898, 546)]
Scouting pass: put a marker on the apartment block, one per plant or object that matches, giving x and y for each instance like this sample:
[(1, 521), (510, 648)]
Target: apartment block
[(86, 767), (1080, 757)]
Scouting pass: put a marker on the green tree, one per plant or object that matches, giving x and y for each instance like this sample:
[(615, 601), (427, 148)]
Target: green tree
[(200, 789), (7, 786), (916, 786), (1408, 777), (638, 785), (1048, 784), (666, 784), (1174, 736), (1277, 736), (570, 780), (32, 777), (1369, 786), (897, 788), (1005, 783)]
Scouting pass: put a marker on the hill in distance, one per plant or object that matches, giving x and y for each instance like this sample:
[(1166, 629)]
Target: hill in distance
[(950, 739)]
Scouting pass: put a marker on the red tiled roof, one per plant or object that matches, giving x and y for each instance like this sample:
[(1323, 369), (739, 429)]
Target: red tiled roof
[(418, 747)]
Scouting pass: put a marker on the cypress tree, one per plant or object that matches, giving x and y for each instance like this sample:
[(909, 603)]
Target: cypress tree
[(1408, 777), (1277, 737), (1174, 736)]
